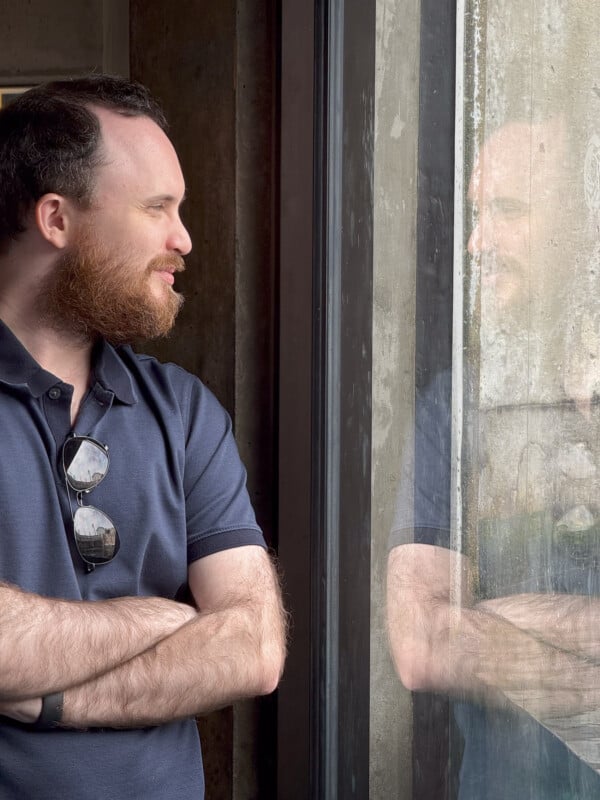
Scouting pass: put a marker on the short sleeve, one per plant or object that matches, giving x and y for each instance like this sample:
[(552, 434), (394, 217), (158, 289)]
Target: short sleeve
[(219, 514), (422, 512)]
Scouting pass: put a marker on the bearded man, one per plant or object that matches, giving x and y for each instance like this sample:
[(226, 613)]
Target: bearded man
[(102, 668)]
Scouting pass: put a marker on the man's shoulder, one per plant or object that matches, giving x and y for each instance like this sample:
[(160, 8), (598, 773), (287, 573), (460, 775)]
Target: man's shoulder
[(160, 376), (153, 366), (169, 380)]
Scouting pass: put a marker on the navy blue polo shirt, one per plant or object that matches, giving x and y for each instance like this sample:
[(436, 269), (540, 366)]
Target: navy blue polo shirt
[(176, 491)]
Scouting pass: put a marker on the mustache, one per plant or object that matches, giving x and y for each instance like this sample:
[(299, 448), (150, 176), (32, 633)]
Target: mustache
[(494, 264), (170, 262)]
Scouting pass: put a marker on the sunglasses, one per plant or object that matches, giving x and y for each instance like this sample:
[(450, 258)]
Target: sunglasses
[(85, 463)]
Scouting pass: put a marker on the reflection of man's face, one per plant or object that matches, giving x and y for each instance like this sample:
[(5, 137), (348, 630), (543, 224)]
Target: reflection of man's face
[(514, 190)]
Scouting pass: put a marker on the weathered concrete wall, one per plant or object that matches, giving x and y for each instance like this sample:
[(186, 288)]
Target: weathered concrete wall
[(396, 131), (532, 335)]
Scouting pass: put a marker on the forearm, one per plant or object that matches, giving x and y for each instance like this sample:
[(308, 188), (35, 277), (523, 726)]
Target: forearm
[(470, 653), (489, 650), (568, 622), (440, 642), (47, 645), (220, 657)]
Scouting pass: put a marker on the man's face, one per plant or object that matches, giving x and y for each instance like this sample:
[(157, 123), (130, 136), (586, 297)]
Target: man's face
[(115, 279), (515, 192), (93, 292)]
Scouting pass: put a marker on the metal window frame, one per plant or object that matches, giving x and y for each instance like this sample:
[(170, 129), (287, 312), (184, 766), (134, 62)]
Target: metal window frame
[(326, 238), (432, 723)]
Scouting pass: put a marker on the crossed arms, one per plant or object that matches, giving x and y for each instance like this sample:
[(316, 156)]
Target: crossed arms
[(540, 651), (133, 661)]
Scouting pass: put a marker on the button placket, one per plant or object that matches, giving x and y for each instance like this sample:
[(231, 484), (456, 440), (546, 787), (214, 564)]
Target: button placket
[(56, 403), (97, 405)]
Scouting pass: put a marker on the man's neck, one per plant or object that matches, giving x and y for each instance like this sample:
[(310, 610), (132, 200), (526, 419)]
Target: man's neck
[(24, 273), (63, 355)]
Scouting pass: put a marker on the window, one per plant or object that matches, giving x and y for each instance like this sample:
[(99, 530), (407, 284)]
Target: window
[(493, 573), (440, 409)]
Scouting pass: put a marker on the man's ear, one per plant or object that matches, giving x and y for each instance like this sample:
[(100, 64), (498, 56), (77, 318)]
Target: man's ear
[(53, 217)]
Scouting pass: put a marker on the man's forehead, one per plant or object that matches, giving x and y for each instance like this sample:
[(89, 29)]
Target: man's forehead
[(136, 148), (128, 134), (517, 155)]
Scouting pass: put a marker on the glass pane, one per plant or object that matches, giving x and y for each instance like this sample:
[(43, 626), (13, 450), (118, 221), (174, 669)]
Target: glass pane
[(528, 509), (493, 580), (394, 265)]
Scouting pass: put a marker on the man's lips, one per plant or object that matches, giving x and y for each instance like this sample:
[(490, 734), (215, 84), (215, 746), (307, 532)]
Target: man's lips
[(494, 266), (166, 267), (167, 276)]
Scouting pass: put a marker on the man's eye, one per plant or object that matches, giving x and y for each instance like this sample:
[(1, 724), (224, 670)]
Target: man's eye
[(157, 207), (509, 209)]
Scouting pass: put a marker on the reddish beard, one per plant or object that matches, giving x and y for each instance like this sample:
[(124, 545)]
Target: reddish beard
[(92, 294)]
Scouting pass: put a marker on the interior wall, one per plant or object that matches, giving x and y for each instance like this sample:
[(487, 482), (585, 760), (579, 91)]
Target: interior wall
[(188, 62), (212, 67), (43, 40)]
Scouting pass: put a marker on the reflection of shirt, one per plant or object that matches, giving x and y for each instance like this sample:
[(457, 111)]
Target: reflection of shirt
[(537, 530), (175, 490), (536, 457), (538, 515), (425, 517)]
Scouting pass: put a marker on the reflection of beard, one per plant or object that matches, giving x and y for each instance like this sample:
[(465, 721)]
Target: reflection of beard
[(522, 328), (504, 288), (92, 293)]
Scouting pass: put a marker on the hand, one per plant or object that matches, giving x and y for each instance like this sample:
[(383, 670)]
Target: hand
[(22, 710)]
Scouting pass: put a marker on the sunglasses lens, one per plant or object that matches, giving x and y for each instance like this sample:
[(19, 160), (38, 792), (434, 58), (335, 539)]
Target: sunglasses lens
[(95, 535), (85, 463)]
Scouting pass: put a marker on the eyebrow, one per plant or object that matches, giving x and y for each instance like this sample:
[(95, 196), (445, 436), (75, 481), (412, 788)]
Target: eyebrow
[(501, 202), (165, 198)]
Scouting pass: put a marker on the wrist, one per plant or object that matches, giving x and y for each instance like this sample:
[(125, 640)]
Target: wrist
[(50, 714), (27, 711)]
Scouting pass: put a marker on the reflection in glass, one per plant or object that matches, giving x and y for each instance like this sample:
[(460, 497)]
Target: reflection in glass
[(494, 566), (85, 462), (95, 535)]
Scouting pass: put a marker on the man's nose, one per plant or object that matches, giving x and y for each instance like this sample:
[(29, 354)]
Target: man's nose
[(481, 238), (179, 239)]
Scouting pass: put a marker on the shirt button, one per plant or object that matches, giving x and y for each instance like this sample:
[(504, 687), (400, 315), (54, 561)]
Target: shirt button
[(54, 393)]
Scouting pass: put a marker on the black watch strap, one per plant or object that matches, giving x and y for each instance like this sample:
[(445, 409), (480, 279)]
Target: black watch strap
[(51, 714)]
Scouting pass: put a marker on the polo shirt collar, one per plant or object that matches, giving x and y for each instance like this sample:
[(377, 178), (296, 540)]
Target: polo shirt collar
[(19, 368), (112, 374)]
